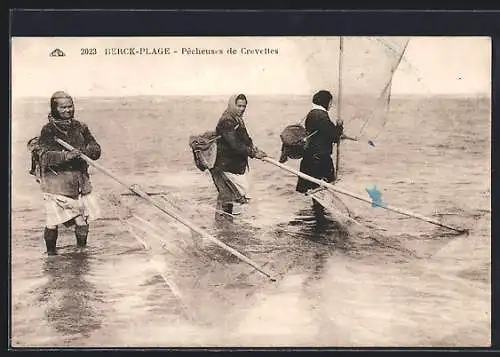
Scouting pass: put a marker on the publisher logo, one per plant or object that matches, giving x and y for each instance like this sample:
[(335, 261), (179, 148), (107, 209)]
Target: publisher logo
[(57, 53)]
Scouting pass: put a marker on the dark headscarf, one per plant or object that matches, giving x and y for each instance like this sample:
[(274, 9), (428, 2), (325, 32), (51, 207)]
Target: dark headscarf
[(323, 98)]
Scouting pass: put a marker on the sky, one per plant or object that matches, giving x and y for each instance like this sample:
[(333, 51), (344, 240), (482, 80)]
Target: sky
[(430, 65)]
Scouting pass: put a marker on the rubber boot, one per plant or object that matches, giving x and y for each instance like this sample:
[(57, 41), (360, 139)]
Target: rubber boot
[(227, 207), (81, 233), (224, 217), (319, 212), (50, 237)]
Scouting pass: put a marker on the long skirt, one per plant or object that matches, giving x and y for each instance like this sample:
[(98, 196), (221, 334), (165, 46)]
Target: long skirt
[(319, 167), (231, 187)]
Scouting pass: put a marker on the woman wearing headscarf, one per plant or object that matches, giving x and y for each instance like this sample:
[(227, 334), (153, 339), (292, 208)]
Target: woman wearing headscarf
[(64, 177), (234, 147), (317, 161)]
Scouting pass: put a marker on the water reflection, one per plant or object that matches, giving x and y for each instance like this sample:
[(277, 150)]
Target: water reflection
[(224, 283), (71, 299), (321, 228), (237, 235), (307, 242), (316, 236)]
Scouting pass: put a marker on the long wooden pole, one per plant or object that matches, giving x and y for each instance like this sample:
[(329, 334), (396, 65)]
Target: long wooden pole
[(339, 101), (358, 197), (141, 193)]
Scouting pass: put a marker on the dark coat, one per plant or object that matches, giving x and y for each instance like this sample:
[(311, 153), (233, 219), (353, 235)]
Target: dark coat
[(317, 161), (62, 176), (234, 147)]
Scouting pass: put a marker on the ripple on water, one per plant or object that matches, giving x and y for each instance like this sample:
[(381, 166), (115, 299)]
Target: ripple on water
[(411, 285)]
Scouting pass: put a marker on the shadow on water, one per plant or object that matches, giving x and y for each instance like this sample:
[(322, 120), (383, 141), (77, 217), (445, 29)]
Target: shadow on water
[(318, 227), (306, 241), (317, 237), (71, 299), (322, 229)]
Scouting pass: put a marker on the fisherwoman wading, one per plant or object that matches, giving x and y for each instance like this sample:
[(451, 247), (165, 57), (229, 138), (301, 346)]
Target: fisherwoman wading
[(317, 161), (234, 147), (64, 178)]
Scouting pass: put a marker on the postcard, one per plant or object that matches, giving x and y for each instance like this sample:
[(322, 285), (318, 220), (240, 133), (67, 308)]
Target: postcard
[(251, 191)]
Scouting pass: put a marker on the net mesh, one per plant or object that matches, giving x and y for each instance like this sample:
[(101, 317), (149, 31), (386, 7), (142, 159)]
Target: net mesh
[(362, 73), (187, 262), (368, 67)]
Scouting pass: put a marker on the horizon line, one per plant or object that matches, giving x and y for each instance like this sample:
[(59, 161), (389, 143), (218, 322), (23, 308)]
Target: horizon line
[(394, 95)]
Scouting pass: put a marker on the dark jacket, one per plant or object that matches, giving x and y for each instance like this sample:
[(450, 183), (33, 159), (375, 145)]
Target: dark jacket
[(317, 161), (62, 176), (234, 147), (328, 133)]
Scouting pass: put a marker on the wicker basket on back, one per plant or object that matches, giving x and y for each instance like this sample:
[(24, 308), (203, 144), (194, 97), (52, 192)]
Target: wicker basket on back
[(204, 148)]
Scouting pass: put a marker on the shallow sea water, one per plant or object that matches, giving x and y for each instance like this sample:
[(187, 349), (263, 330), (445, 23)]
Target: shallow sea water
[(408, 283)]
